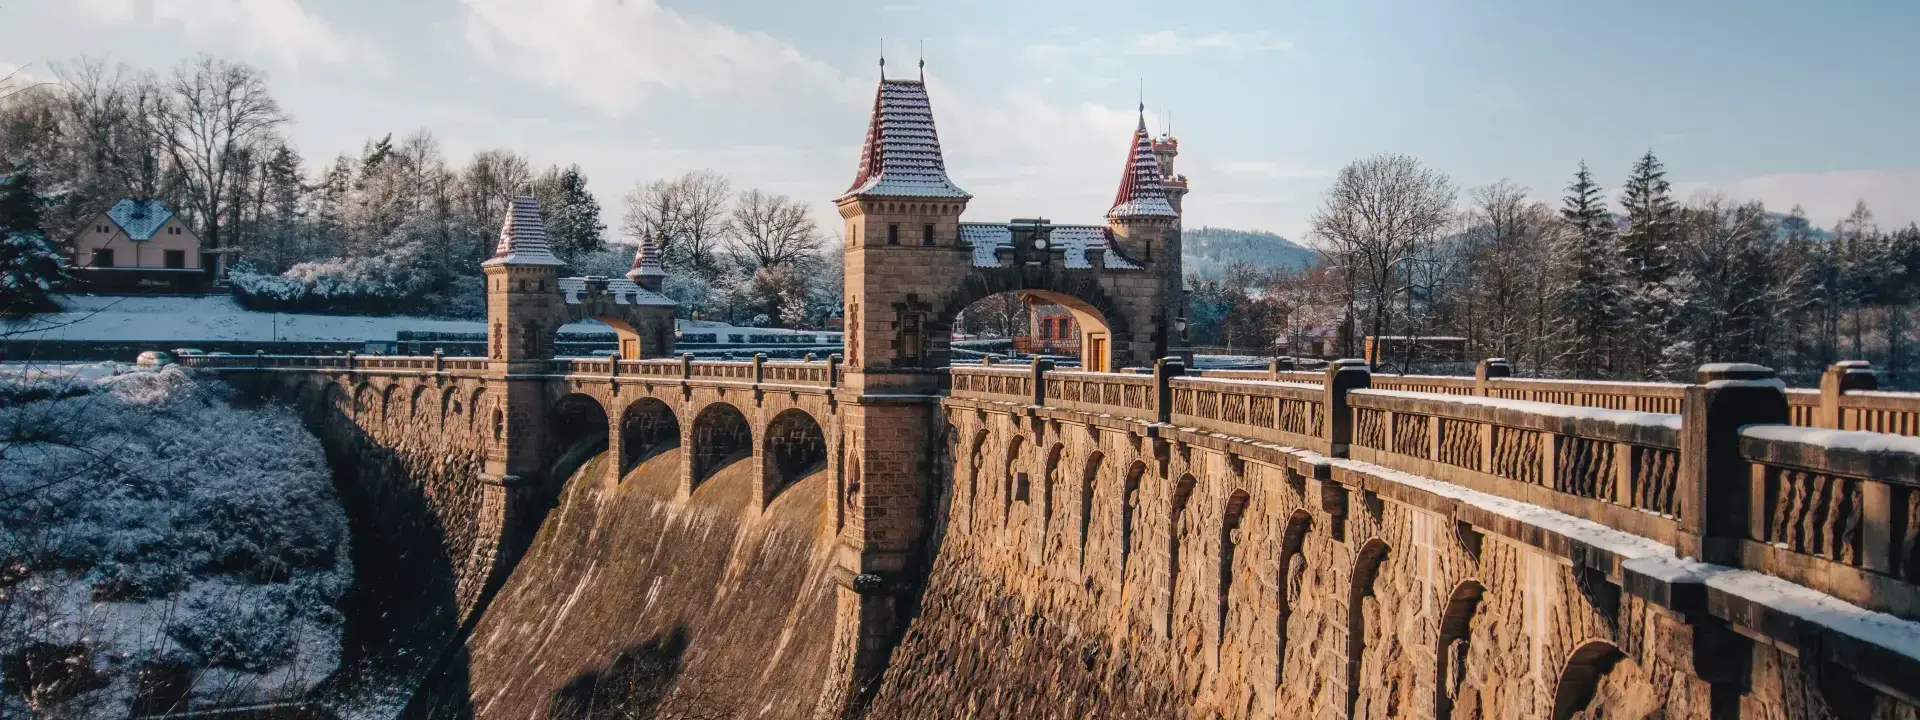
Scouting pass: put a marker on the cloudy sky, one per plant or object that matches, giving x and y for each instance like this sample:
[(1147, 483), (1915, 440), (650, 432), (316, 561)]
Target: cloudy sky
[(1780, 100)]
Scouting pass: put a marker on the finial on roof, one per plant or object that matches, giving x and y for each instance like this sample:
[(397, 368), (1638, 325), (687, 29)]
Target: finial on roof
[(883, 60), (923, 61)]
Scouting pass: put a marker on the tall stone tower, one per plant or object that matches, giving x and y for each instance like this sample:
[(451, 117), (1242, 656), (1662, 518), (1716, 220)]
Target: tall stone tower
[(1145, 222), (902, 249), (523, 303)]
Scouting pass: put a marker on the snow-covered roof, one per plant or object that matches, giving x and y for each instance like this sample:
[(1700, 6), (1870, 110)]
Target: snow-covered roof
[(646, 261), (1141, 193), (624, 291), (523, 237), (901, 157), (139, 218), (987, 238)]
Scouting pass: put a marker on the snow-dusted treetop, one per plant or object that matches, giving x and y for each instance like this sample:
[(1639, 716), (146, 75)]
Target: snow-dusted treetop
[(523, 237), (901, 157), (1141, 193)]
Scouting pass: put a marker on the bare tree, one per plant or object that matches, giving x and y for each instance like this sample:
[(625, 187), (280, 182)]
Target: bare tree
[(686, 215), (771, 231), (1374, 219), (1504, 236), (219, 109)]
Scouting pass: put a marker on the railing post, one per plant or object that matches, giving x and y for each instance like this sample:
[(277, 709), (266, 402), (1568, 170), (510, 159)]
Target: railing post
[(1839, 378), (439, 361), (1717, 492), (833, 370), (613, 363), (1486, 371), (1040, 368), (350, 358), (1164, 371), (1278, 365), (686, 366), (260, 358), (1343, 376), (759, 368)]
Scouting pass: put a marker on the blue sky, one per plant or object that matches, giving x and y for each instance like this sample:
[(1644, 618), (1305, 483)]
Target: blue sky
[(1786, 102)]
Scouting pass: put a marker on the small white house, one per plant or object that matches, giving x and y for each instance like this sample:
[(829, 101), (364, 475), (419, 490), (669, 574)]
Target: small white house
[(139, 245)]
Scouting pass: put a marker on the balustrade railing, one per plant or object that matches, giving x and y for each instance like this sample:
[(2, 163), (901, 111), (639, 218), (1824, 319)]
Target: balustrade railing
[(1124, 395), (818, 374), (1278, 412), (1006, 383), (1845, 504)]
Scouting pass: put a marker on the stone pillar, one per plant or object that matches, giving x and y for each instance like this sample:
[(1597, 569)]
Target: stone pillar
[(1840, 378), (1716, 492), (1337, 418), (1164, 371), (1486, 371)]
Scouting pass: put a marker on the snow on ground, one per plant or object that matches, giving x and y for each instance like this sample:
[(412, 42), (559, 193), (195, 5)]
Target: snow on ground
[(145, 521), (218, 317)]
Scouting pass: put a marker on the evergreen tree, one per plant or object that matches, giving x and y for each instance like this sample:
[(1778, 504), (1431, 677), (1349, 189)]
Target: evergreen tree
[(29, 267), (1647, 249), (1589, 294), (572, 213)]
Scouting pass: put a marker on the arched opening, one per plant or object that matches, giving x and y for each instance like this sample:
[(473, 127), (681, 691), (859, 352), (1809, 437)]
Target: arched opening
[(577, 431), (1088, 476), (1129, 503), (1582, 677), (1051, 478), (975, 461), (1015, 477), (417, 403), (720, 437), (1456, 633), (1229, 544), (647, 428), (1033, 323), (795, 449), (362, 401), (1176, 527), (386, 402), (473, 406), (449, 405), (1360, 593), (1293, 580)]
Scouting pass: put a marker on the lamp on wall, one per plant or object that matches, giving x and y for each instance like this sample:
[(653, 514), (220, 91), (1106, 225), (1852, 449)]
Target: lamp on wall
[(1180, 325)]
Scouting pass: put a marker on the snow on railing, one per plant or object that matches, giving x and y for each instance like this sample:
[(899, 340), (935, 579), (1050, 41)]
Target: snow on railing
[(1845, 503), (1286, 413), (1123, 395)]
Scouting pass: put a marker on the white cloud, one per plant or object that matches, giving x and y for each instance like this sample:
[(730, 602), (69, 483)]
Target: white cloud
[(1269, 169), (1892, 194), (281, 29), (1168, 42), (610, 53)]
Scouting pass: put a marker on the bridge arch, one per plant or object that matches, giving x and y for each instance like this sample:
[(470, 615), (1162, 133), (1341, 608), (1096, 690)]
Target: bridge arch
[(1051, 480), (577, 430), (449, 405), (721, 436), (1103, 322), (1231, 519), (1089, 476), (1292, 582), (415, 404), (647, 428), (795, 448), (976, 459), (1129, 507), (1015, 478), (1366, 569), (1456, 635), (1580, 677), (1176, 527)]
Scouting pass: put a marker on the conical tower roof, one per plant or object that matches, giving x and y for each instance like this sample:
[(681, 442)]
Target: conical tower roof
[(1141, 193), (647, 261), (523, 237), (901, 157)]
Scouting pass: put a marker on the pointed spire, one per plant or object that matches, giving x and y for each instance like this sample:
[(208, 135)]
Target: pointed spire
[(923, 61), (648, 271), (901, 156), (1141, 193), (523, 236)]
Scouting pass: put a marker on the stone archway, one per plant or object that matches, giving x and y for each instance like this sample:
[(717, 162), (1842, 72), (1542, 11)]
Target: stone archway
[(721, 436), (1176, 528), (648, 427), (1600, 681), (1366, 569), (795, 449), (1291, 586), (1099, 320), (1450, 668), (578, 430)]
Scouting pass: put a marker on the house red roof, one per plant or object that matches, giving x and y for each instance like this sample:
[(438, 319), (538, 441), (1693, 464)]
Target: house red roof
[(901, 157), (1141, 193)]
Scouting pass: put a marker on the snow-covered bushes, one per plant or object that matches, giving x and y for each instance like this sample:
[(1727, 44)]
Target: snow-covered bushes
[(340, 285), (148, 517)]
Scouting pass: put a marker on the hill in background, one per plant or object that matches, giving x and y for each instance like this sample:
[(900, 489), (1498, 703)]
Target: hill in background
[(1209, 250)]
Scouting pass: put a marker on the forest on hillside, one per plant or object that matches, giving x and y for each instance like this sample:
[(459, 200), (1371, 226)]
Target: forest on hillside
[(1648, 287), (392, 226)]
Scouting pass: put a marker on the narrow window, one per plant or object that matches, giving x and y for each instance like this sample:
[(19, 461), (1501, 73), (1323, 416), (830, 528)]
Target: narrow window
[(176, 259), (103, 258), (893, 233), (926, 235), (1149, 251), (910, 339)]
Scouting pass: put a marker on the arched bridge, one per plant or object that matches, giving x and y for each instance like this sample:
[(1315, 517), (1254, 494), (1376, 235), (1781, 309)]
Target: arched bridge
[(1262, 544)]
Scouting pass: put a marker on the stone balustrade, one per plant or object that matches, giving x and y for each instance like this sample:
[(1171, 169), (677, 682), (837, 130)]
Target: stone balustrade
[(1283, 413)]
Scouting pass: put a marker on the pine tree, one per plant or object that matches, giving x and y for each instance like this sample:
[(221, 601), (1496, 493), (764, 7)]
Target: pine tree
[(29, 267), (572, 213), (1589, 296), (1647, 249)]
